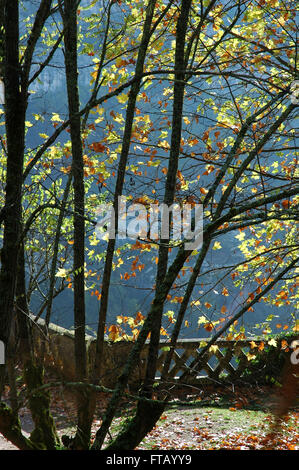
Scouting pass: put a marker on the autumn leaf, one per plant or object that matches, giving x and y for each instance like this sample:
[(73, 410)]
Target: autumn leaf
[(98, 147), (217, 246), (250, 357), (61, 273), (285, 203), (205, 135), (203, 191), (284, 344), (208, 326), (122, 98)]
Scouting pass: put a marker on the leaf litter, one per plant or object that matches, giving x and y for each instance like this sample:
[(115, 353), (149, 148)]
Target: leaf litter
[(213, 418)]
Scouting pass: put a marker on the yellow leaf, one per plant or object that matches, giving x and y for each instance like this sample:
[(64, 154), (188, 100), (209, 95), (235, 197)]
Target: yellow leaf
[(61, 273), (217, 246), (250, 357), (123, 98), (56, 117), (241, 236)]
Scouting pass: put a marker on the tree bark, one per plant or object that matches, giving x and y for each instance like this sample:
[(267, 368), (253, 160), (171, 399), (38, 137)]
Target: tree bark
[(148, 413), (69, 14), (15, 108), (130, 113)]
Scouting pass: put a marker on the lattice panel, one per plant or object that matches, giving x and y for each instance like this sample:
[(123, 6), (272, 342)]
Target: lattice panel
[(228, 361)]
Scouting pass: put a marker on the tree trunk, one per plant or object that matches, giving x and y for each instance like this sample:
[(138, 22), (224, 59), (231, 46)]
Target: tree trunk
[(147, 412), (15, 107), (82, 439), (130, 113)]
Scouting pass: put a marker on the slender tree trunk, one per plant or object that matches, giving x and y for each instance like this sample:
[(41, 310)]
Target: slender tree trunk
[(148, 413), (130, 113), (23, 322), (82, 439), (12, 275), (15, 107), (170, 186), (50, 296), (161, 294)]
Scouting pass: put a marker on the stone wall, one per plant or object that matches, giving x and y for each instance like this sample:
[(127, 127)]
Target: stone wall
[(60, 354), (228, 363)]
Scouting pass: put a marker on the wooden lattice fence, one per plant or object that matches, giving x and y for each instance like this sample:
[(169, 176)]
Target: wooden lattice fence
[(252, 360)]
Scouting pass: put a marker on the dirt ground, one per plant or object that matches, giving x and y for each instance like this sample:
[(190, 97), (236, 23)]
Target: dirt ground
[(235, 419)]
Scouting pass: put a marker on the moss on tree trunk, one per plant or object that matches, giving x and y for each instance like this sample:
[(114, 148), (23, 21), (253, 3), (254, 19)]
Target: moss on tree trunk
[(44, 435), (10, 427)]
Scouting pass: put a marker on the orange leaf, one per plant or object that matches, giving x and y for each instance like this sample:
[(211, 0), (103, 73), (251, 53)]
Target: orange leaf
[(98, 147), (225, 292), (261, 346), (205, 135), (285, 203), (284, 344), (208, 326)]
